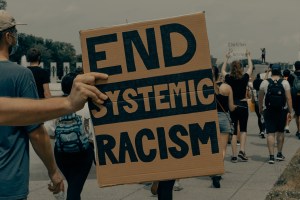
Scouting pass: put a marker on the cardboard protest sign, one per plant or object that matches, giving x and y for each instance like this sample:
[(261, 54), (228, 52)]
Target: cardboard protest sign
[(237, 49), (160, 121)]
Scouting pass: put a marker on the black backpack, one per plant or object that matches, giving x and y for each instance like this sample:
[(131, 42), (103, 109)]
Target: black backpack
[(275, 98)]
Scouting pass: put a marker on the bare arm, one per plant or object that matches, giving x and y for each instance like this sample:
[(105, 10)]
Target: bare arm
[(20, 111), (223, 70), (41, 144), (46, 88), (250, 64), (289, 100), (231, 105)]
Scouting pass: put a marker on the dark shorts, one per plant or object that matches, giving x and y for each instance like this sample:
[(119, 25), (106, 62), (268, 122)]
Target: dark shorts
[(275, 120), (296, 103), (240, 116)]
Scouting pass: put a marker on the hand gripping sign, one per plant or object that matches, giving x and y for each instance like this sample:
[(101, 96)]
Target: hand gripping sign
[(160, 121)]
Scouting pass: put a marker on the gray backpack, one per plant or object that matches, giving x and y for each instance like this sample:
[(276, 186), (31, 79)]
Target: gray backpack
[(296, 83)]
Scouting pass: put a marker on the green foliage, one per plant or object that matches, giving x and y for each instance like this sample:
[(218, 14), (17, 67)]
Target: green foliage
[(52, 51), (3, 5)]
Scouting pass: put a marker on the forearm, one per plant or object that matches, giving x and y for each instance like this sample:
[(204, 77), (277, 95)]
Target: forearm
[(21, 111), (41, 144), (223, 69), (260, 101), (250, 66)]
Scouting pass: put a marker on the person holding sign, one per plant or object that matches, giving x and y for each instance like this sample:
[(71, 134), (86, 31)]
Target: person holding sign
[(21, 117), (238, 82)]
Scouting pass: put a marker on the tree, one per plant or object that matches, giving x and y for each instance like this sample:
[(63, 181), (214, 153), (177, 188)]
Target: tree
[(3, 5)]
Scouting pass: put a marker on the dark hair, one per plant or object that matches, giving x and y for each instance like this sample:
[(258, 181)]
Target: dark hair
[(276, 69), (67, 82), (33, 55), (258, 76), (10, 30), (286, 73), (297, 65)]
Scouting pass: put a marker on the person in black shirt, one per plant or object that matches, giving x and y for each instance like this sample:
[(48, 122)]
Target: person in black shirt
[(261, 124), (239, 83), (296, 96), (41, 76)]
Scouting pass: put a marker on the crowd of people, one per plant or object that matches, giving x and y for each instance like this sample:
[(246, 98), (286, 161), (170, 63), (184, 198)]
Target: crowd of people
[(28, 105)]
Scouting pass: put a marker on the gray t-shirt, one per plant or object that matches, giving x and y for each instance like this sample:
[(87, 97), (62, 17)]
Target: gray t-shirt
[(15, 81)]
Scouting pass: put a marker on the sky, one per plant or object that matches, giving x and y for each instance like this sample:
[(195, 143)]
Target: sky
[(270, 24)]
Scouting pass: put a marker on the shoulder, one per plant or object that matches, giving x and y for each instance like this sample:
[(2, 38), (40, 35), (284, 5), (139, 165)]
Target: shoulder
[(285, 84), (264, 84), (225, 89)]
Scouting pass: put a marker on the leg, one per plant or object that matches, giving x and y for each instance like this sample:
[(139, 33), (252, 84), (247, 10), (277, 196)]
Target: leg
[(165, 190), (81, 167), (224, 139), (271, 142), (280, 141)]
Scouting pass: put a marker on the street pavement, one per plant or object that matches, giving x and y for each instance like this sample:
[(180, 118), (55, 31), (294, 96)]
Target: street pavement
[(250, 180)]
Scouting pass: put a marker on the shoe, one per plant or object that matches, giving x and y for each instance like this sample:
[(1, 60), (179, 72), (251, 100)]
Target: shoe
[(154, 187), (297, 134), (262, 135), (177, 186), (238, 143), (272, 160), (216, 181), (280, 157), (243, 156), (234, 159)]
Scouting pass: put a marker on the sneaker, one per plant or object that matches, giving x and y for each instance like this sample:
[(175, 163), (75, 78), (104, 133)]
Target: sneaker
[(280, 157), (234, 159), (286, 130), (297, 134), (262, 134), (243, 156), (154, 187), (238, 143), (216, 181), (272, 160), (177, 186)]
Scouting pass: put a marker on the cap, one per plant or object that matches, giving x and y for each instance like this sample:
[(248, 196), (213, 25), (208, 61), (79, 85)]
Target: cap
[(276, 67), (7, 21)]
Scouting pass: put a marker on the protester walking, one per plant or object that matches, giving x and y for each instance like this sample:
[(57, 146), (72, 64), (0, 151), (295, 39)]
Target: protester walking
[(239, 82), (73, 150), (260, 121), (224, 99), (294, 80), (41, 76), (274, 97), (17, 81)]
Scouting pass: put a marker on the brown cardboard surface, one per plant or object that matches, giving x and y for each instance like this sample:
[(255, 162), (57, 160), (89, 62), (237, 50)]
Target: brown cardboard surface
[(160, 121)]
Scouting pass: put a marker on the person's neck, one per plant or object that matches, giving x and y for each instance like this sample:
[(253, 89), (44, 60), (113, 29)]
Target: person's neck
[(4, 56), (34, 64)]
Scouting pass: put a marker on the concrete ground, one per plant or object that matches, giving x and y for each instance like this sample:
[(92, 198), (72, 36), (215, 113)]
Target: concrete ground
[(243, 180)]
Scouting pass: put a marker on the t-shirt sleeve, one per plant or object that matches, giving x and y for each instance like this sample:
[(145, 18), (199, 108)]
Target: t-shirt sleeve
[(227, 78), (264, 85), (286, 85), (246, 77), (45, 77), (28, 90)]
